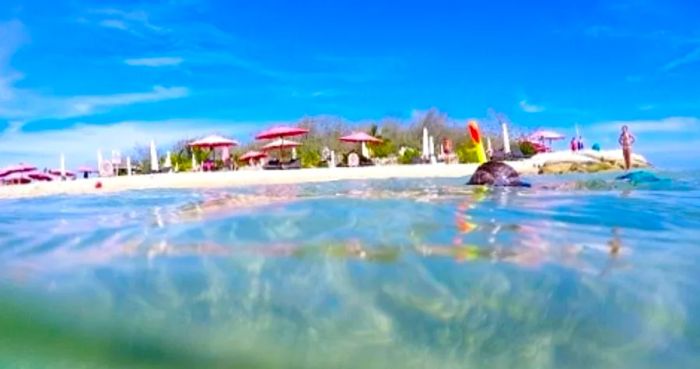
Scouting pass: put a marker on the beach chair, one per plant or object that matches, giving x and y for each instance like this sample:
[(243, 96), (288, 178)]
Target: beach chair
[(365, 162), (292, 164), (272, 164), (353, 160)]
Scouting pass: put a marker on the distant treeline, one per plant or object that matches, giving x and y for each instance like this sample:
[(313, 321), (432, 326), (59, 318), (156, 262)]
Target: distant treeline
[(325, 132)]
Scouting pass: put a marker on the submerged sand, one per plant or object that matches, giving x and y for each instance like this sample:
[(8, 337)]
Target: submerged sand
[(197, 180)]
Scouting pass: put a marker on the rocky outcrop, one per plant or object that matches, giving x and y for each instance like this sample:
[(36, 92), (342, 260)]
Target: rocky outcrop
[(588, 161)]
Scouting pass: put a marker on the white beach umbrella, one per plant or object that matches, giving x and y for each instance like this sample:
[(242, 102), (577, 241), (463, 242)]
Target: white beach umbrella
[(506, 138), (365, 151), (128, 165), (99, 159), (431, 150), (332, 159), (424, 151), (168, 160), (63, 166), (489, 147), (154, 157)]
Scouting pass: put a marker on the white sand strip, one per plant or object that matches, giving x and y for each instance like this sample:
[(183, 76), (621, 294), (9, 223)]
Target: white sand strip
[(265, 177)]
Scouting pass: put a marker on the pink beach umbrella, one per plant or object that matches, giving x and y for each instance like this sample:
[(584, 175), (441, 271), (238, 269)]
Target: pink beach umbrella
[(280, 144), (213, 141), (252, 155), (545, 135), (19, 168), (86, 169), (279, 132), (40, 176), (16, 178), (360, 137), (57, 172)]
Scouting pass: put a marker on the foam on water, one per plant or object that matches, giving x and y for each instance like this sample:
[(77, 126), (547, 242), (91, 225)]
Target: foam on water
[(371, 274)]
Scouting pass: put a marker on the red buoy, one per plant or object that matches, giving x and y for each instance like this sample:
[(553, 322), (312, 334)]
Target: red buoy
[(98, 185)]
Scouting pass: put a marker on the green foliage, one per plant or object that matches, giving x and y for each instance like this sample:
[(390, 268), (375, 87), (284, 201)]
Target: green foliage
[(409, 155), (309, 157), (384, 149), (527, 148), (466, 153)]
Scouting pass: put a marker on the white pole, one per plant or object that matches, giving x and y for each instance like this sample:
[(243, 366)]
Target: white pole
[(489, 147), (194, 162), (128, 166), (294, 153), (332, 159), (63, 167), (154, 157), (506, 139), (431, 150)]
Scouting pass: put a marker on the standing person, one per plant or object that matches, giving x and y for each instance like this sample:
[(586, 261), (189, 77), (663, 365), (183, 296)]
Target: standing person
[(580, 143), (574, 145), (626, 141)]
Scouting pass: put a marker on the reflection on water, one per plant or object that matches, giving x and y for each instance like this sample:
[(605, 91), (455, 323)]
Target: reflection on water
[(356, 274)]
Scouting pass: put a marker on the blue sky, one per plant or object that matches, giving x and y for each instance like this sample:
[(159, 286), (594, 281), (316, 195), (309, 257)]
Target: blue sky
[(80, 75)]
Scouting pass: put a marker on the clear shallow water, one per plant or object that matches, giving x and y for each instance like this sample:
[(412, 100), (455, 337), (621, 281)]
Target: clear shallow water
[(377, 274)]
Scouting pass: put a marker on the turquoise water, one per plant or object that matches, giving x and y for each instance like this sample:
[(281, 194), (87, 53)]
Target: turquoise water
[(587, 273)]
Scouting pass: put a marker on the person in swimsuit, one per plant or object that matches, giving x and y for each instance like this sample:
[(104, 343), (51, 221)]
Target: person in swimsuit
[(626, 141)]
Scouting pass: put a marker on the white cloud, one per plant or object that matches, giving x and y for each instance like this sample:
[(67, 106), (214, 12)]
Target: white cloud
[(154, 62), (691, 57), (29, 105), (126, 20), (25, 104), (530, 108), (666, 125), (81, 142), (114, 23)]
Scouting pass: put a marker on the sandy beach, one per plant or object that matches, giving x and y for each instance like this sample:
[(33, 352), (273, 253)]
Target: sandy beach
[(196, 180)]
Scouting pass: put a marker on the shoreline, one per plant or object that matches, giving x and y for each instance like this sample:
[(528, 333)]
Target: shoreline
[(208, 180)]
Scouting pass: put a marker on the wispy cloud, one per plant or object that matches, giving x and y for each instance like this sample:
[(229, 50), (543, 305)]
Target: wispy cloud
[(530, 108), (154, 62), (28, 105), (665, 125), (689, 58), (135, 21), (80, 142), (114, 23)]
